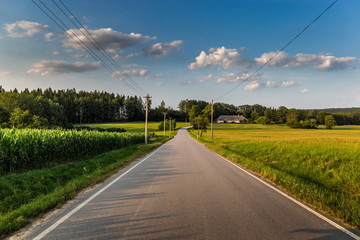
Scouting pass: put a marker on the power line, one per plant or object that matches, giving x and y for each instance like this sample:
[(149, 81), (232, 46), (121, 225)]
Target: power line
[(60, 23), (95, 43), (279, 51)]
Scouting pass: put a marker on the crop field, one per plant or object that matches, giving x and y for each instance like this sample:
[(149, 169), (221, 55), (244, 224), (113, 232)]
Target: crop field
[(136, 126), (22, 149), (319, 166)]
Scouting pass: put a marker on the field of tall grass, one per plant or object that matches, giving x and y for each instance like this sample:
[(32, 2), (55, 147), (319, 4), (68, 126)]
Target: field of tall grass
[(318, 166)]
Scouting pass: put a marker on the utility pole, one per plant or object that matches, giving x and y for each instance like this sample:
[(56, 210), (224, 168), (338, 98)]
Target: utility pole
[(212, 119), (147, 97), (164, 123), (198, 121), (170, 127)]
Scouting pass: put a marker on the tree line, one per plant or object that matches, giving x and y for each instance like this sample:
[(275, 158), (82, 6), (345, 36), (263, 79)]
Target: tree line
[(199, 114), (61, 108)]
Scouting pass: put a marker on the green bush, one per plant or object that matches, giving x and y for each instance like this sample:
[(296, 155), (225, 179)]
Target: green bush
[(306, 124), (262, 120)]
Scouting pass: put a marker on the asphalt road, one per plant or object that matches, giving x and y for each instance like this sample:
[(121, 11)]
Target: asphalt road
[(184, 191)]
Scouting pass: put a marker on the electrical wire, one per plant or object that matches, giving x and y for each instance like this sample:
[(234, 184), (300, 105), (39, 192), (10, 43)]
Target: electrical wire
[(277, 53), (95, 43), (132, 85)]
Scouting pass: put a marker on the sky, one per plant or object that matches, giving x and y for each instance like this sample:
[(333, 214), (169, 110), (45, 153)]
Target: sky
[(188, 49)]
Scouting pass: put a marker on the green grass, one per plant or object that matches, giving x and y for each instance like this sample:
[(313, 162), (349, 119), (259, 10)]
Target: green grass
[(320, 166)]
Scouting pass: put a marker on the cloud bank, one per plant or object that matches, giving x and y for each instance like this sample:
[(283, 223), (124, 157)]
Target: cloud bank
[(231, 58), (300, 60), (108, 38), (162, 49), (239, 77), (21, 29), (226, 58), (46, 67)]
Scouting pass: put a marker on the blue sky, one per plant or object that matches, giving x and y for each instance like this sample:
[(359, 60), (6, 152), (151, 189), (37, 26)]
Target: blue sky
[(186, 49)]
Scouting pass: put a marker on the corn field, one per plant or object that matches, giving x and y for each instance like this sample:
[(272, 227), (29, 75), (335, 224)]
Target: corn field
[(22, 149)]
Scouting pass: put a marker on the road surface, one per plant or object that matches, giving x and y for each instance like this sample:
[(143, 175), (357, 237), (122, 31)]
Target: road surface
[(185, 191)]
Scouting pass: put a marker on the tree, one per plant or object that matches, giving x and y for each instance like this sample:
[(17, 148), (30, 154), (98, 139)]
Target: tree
[(185, 106), (4, 115), (194, 112), (271, 114), (200, 123), (330, 122), (24, 119), (254, 115), (262, 120), (282, 113)]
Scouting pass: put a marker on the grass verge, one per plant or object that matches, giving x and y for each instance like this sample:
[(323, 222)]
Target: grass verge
[(324, 176), (25, 196)]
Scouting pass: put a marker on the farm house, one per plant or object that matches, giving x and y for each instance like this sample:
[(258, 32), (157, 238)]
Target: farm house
[(230, 119)]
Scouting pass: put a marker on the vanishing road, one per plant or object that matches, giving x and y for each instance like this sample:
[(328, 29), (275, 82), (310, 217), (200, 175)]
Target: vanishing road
[(184, 191)]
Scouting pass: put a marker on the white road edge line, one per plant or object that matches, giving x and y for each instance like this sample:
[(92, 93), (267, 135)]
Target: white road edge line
[(351, 234), (64, 218)]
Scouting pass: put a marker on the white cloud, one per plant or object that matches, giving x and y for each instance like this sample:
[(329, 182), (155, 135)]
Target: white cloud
[(45, 67), (116, 57), (135, 72), (271, 84), (300, 60), (206, 78), (230, 58), (288, 83), (108, 38), (159, 84), (162, 49), (158, 75), (227, 58), (24, 29), (55, 53), (252, 86), (49, 36), (239, 77), (131, 55), (254, 81), (304, 91), (81, 56)]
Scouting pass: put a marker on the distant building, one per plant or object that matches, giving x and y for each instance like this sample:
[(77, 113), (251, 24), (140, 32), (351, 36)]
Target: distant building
[(230, 119)]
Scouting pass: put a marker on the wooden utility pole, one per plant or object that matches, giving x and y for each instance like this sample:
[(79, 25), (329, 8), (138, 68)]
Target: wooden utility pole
[(198, 126), (212, 119), (164, 123), (147, 97), (170, 127)]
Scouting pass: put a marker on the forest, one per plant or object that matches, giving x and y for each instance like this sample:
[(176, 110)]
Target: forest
[(62, 108)]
